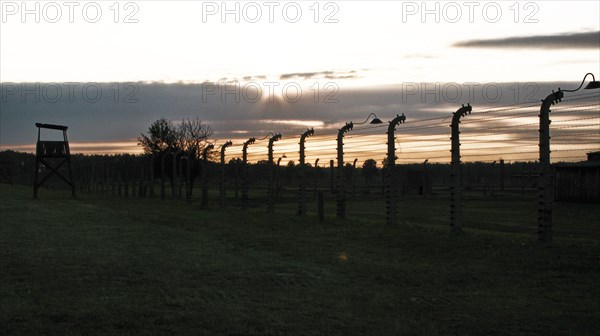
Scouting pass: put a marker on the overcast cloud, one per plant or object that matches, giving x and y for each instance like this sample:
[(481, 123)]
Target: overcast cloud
[(125, 118), (585, 40)]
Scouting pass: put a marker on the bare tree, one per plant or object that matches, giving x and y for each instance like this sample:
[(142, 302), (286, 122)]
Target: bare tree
[(192, 136)]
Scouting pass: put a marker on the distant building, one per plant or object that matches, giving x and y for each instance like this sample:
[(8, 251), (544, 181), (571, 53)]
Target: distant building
[(578, 181), (593, 156)]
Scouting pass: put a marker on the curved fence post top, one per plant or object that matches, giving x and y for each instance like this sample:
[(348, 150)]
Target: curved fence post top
[(461, 112)]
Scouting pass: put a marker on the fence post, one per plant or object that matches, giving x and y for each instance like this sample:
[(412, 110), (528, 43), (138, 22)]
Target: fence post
[(113, 178), (142, 175), (321, 206), (162, 175), (245, 172), (151, 186), (278, 176), (341, 189), (522, 179), (391, 194), (222, 180), (181, 177), (271, 193), (545, 170), (352, 178), (502, 175), (316, 175), (302, 186), (205, 152), (236, 186), (456, 187), (424, 180), (92, 179), (383, 185), (174, 177), (188, 177), (492, 179), (331, 176)]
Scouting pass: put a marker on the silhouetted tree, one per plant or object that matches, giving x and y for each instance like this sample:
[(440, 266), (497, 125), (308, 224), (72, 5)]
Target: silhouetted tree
[(161, 137), (191, 136), (164, 139), (369, 169), (384, 162)]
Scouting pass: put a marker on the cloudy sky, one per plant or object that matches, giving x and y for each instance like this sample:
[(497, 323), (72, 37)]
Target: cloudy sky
[(330, 51), (385, 42)]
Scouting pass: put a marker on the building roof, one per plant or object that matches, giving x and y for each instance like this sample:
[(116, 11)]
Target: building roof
[(581, 164)]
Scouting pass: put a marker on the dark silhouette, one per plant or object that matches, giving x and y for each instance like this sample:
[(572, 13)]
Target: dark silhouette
[(52, 155), (369, 169), (177, 147)]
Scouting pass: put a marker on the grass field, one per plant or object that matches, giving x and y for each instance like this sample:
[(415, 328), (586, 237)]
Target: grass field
[(98, 265)]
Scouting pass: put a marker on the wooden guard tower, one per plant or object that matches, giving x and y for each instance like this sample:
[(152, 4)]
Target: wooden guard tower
[(53, 155)]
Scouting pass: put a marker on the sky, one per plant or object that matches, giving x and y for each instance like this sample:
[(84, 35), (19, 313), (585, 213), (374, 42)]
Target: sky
[(386, 53)]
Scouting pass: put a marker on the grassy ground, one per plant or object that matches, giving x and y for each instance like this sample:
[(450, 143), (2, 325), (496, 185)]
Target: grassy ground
[(108, 266)]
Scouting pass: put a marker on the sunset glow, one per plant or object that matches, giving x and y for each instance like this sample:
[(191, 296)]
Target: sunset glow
[(250, 72)]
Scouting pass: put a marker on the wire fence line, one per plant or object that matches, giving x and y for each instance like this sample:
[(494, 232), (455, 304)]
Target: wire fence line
[(511, 124), (499, 150)]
